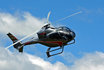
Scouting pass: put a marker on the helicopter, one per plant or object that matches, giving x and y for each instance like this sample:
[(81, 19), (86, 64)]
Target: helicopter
[(49, 36)]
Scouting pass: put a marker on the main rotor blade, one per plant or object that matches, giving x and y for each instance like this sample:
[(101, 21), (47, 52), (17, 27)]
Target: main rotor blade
[(68, 16), (48, 16)]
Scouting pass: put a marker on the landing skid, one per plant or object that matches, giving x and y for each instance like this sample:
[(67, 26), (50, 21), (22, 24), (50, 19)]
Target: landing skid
[(61, 47), (49, 50), (72, 42)]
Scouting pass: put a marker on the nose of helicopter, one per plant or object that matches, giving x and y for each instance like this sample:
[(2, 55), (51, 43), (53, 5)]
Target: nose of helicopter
[(73, 34)]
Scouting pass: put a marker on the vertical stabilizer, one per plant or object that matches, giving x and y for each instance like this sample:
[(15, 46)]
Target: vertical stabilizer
[(19, 45)]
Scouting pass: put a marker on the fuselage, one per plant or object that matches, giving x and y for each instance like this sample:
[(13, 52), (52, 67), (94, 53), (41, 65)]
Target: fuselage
[(53, 37)]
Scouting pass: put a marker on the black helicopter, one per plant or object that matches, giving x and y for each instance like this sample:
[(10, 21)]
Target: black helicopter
[(49, 36)]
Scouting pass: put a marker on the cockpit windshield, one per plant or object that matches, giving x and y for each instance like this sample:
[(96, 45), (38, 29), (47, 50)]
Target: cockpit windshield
[(64, 29)]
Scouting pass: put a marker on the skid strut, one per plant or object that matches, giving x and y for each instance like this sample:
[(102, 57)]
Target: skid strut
[(49, 50)]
